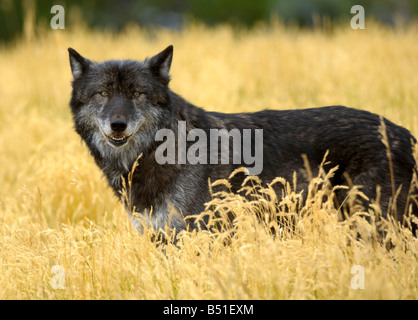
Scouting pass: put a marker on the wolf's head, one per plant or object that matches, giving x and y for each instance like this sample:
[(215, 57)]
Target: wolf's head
[(118, 105)]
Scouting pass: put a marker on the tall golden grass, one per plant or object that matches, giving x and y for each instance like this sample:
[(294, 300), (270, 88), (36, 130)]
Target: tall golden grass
[(56, 209)]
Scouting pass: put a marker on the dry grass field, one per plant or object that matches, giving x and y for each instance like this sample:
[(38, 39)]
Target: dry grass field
[(56, 209)]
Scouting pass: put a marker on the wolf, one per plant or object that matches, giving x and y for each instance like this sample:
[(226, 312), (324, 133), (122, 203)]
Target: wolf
[(120, 106)]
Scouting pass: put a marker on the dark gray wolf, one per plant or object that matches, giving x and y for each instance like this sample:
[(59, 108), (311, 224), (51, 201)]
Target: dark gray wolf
[(118, 107)]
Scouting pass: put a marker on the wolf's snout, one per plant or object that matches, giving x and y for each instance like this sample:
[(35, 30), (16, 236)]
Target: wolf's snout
[(118, 124)]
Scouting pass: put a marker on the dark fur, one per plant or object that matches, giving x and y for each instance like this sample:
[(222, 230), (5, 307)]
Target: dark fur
[(351, 137)]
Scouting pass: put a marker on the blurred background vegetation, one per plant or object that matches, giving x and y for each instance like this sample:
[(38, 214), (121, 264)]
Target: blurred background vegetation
[(174, 14)]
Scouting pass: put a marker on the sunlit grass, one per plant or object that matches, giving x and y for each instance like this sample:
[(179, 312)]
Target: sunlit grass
[(56, 209)]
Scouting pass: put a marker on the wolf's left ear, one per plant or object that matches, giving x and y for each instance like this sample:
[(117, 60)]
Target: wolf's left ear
[(160, 64), (79, 64)]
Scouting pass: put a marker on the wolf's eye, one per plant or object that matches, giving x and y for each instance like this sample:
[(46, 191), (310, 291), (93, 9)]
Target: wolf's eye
[(104, 93), (137, 94)]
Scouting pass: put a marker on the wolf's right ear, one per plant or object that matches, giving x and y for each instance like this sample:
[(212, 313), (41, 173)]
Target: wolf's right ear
[(79, 64)]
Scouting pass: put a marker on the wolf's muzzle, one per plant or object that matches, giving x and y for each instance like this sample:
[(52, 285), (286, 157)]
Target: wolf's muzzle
[(118, 126)]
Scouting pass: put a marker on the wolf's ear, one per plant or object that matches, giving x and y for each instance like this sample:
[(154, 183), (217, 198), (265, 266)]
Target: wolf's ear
[(79, 64), (160, 64)]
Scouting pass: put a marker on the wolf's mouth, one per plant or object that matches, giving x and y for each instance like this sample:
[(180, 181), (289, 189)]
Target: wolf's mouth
[(117, 140)]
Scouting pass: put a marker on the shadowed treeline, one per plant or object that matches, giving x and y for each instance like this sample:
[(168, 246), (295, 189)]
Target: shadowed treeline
[(114, 15)]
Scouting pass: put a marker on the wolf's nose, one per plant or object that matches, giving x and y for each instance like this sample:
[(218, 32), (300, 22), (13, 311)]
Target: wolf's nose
[(118, 124)]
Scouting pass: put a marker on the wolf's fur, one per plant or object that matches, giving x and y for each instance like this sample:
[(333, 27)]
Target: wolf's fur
[(351, 137)]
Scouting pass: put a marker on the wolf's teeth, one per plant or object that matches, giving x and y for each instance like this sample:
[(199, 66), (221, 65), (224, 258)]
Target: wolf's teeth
[(118, 138)]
